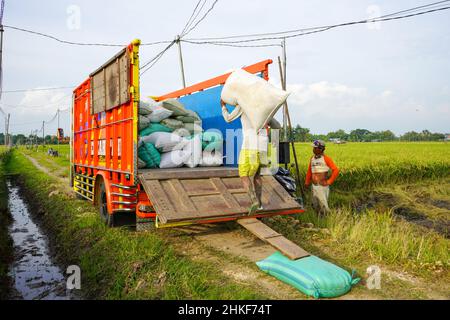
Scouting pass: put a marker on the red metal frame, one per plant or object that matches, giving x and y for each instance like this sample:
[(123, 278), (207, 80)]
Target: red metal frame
[(262, 66), (117, 165)]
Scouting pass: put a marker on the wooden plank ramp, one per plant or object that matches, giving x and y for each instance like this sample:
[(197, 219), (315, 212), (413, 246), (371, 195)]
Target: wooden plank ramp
[(278, 241)]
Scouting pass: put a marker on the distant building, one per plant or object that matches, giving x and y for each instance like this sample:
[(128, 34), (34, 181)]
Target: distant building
[(447, 137)]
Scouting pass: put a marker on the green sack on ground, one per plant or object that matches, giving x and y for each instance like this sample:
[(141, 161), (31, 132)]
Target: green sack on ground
[(149, 154), (172, 123), (154, 127), (311, 275)]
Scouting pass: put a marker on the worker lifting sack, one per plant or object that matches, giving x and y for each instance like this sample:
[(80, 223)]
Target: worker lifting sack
[(258, 99)]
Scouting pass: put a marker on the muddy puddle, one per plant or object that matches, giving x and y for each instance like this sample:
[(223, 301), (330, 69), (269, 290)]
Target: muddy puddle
[(34, 274), (387, 201)]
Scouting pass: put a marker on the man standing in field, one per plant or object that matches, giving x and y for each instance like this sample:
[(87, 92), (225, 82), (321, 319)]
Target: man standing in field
[(254, 145), (318, 169)]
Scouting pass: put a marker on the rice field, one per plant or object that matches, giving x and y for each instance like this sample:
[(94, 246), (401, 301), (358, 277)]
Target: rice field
[(365, 165), (415, 176)]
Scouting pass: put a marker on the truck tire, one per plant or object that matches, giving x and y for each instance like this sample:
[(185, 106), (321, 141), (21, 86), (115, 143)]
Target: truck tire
[(106, 217)]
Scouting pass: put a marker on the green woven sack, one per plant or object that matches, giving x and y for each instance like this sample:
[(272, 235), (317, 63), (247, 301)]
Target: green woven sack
[(187, 119), (144, 122), (172, 123), (191, 113), (175, 106), (212, 140), (154, 127), (150, 155), (193, 127), (311, 275)]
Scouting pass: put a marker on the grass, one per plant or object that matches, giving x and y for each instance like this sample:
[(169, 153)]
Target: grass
[(117, 263), (366, 165), (6, 245), (411, 175)]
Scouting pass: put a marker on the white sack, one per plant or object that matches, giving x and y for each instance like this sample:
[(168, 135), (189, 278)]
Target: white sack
[(182, 132), (258, 99), (194, 148), (175, 106), (164, 141), (211, 159), (159, 113), (173, 159)]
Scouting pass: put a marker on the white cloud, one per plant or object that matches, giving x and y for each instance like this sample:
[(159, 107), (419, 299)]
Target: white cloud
[(44, 102), (37, 106), (325, 106)]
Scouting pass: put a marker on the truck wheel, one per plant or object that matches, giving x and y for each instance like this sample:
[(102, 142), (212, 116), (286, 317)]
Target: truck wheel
[(107, 218)]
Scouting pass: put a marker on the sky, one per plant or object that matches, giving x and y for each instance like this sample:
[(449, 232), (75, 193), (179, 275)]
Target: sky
[(393, 75)]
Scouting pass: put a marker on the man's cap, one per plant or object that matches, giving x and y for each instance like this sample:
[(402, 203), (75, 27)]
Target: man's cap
[(318, 144)]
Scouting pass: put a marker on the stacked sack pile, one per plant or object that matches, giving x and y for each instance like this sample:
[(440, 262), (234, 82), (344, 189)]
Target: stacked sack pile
[(171, 136)]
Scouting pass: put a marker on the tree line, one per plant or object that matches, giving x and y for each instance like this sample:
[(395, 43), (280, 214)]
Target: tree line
[(298, 134), (34, 139), (301, 134)]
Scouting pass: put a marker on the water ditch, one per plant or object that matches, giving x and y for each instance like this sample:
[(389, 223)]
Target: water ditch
[(34, 273)]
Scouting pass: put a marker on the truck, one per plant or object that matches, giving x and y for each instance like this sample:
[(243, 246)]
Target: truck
[(104, 160)]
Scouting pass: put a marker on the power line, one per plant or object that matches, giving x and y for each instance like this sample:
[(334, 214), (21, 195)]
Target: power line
[(311, 30), (202, 18), (79, 43), (149, 64), (190, 18), (235, 45), (52, 119), (37, 89), (196, 15)]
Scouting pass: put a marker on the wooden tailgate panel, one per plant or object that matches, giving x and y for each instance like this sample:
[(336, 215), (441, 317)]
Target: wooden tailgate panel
[(219, 195)]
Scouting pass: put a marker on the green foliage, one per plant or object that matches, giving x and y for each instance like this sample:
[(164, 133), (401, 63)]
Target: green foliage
[(300, 134), (115, 262)]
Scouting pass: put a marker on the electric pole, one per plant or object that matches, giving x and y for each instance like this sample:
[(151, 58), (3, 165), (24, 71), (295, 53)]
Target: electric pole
[(57, 134), (181, 61), (283, 84), (7, 131)]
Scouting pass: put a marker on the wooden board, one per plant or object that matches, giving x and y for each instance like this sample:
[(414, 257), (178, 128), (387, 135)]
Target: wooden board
[(110, 83), (124, 78), (186, 194), (98, 94), (265, 233)]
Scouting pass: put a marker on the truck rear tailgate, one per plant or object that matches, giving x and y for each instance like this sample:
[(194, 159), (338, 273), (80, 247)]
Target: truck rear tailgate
[(189, 194)]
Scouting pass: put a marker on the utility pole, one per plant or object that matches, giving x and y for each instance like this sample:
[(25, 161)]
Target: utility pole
[(181, 61), (43, 136), (283, 84), (1, 59), (7, 131), (57, 134), (6, 127)]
